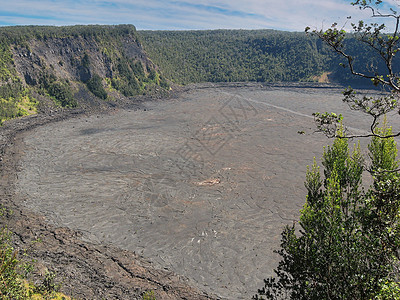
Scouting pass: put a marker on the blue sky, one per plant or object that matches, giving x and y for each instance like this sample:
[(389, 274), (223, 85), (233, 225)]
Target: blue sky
[(291, 15)]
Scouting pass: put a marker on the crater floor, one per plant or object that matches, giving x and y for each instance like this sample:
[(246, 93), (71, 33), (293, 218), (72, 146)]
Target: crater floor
[(201, 185)]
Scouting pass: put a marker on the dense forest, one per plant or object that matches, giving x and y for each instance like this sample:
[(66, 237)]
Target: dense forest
[(251, 55)]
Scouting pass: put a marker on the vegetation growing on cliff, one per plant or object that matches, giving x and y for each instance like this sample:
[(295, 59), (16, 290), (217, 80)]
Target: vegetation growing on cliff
[(248, 55), (109, 60), (14, 272), (234, 55), (57, 62)]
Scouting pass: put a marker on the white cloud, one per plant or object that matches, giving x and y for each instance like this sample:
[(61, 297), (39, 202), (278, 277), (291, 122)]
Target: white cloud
[(292, 15)]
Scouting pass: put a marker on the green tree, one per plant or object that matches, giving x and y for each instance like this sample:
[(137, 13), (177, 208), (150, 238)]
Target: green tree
[(347, 245), (95, 85), (11, 284), (382, 43), (60, 90), (348, 241), (63, 94)]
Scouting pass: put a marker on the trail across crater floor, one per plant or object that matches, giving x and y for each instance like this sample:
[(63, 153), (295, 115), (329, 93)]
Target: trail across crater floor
[(201, 185)]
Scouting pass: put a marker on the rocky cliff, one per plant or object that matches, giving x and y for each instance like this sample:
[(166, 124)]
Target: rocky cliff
[(44, 68)]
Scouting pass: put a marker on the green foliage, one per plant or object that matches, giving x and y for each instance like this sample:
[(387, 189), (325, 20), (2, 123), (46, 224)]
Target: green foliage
[(348, 243), (130, 77), (15, 101), (137, 69), (20, 35), (370, 53), (8, 110), (164, 83), (128, 89), (11, 284), (149, 295), (6, 63), (13, 273), (153, 75), (48, 286), (62, 92), (59, 89), (248, 55), (232, 55), (95, 85), (389, 291), (383, 152)]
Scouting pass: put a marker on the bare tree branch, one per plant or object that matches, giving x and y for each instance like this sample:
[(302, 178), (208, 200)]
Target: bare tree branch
[(386, 45)]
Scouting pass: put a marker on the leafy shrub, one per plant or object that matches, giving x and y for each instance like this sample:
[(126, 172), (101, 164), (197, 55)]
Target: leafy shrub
[(149, 295), (11, 284), (95, 85), (127, 87), (48, 285), (8, 109), (13, 273), (348, 243), (11, 89), (164, 83), (153, 75), (60, 90), (137, 69)]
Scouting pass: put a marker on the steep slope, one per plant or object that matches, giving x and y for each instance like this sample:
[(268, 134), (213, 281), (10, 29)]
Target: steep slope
[(235, 55), (255, 55), (47, 67)]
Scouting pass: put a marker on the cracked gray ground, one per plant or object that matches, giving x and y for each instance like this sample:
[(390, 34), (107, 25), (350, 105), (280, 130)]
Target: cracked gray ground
[(201, 185)]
